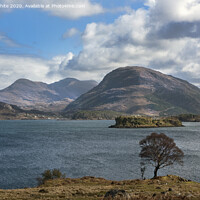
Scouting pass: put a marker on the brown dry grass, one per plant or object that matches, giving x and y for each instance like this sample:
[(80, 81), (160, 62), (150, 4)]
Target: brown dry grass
[(90, 188)]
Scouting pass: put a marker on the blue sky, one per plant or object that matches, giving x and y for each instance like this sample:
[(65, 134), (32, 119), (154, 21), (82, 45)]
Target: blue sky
[(40, 34), (86, 43)]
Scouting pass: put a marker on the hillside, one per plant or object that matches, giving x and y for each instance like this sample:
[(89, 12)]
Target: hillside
[(13, 112), (48, 97), (139, 90), (91, 188)]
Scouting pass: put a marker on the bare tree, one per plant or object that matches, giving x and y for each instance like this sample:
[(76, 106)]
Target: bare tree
[(160, 151)]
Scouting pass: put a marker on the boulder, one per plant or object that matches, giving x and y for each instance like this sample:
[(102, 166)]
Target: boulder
[(116, 194)]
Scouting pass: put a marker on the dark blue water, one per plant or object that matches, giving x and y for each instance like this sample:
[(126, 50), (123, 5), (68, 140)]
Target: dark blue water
[(81, 148)]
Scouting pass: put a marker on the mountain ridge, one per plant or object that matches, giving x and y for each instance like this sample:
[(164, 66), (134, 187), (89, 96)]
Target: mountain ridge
[(139, 90), (39, 95)]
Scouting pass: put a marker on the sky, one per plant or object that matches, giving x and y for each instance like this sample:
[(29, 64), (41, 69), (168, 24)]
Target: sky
[(49, 40)]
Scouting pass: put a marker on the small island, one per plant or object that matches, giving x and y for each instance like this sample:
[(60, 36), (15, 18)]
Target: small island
[(145, 122)]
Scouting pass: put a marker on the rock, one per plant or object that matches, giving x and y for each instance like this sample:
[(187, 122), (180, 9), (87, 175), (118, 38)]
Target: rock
[(190, 196), (154, 194), (116, 194), (43, 191), (162, 192), (170, 189)]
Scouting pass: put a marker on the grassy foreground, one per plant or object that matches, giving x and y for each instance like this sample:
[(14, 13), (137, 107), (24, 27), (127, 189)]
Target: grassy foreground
[(89, 188)]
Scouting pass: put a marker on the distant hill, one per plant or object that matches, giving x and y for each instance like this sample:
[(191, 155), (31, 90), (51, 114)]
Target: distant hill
[(139, 90), (13, 112), (42, 96)]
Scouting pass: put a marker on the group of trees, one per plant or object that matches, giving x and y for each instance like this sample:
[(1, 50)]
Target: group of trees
[(49, 175), (158, 150)]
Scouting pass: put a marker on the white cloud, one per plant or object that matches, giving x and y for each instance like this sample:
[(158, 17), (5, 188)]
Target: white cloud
[(148, 38), (69, 9), (13, 67), (57, 64), (141, 38), (192, 68), (105, 46), (70, 33), (178, 10), (16, 67)]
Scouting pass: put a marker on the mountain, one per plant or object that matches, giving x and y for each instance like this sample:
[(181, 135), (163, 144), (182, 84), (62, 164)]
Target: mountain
[(42, 96), (138, 90)]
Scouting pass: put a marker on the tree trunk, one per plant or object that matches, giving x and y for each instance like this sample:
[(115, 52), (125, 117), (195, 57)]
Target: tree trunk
[(156, 171)]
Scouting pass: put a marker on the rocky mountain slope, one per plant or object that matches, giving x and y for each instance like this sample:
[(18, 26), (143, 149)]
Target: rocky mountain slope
[(42, 96), (138, 90)]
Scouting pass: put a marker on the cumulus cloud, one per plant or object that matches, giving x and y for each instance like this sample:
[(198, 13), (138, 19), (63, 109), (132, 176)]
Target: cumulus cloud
[(70, 33), (176, 30), (177, 11), (108, 46), (164, 37), (57, 64), (69, 9)]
